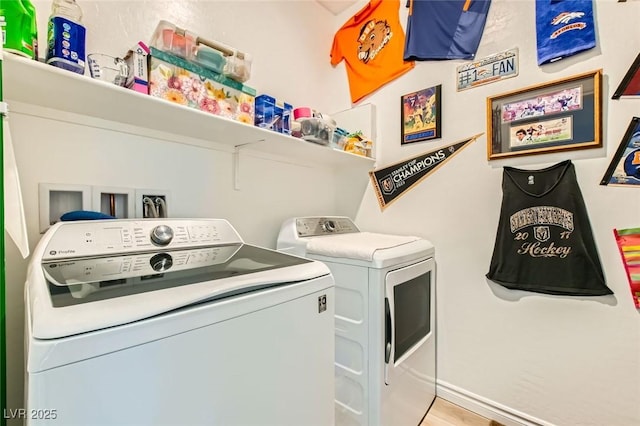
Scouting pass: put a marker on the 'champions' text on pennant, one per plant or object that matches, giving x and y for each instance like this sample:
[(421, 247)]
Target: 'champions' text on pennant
[(392, 181)]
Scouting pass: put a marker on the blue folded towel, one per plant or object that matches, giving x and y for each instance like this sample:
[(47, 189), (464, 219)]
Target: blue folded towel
[(84, 215)]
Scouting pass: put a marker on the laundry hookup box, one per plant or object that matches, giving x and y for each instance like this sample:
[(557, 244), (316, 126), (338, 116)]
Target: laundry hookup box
[(177, 80)]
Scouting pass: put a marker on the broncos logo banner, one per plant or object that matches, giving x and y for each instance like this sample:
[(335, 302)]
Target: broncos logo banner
[(563, 28), (395, 180)]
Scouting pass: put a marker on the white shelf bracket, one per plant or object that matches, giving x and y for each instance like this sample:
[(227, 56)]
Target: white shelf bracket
[(236, 162)]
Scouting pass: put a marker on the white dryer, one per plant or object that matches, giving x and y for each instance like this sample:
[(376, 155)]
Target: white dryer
[(385, 361), (175, 322)]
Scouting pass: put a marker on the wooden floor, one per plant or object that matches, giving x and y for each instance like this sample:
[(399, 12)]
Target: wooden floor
[(444, 413)]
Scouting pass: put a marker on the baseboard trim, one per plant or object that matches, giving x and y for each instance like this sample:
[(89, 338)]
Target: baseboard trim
[(486, 407)]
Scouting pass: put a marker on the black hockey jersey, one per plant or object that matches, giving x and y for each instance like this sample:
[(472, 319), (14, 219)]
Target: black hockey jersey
[(544, 241)]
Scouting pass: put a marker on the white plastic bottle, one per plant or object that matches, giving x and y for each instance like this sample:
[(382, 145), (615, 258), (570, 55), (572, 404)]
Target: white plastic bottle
[(66, 36)]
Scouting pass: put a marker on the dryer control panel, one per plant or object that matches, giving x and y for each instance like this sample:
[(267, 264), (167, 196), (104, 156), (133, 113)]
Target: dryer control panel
[(296, 232), (330, 225)]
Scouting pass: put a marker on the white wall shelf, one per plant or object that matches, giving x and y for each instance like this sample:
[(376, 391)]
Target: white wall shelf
[(35, 83)]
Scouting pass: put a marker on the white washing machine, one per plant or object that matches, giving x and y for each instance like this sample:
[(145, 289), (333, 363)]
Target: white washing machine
[(175, 322), (385, 361)]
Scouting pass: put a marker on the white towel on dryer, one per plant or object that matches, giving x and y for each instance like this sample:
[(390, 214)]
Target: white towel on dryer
[(357, 245)]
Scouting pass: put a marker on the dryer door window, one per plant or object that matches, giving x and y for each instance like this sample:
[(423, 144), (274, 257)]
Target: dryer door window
[(412, 302), (409, 314)]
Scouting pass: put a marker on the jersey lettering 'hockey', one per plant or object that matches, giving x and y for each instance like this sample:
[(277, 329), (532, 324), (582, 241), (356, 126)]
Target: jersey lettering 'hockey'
[(544, 241)]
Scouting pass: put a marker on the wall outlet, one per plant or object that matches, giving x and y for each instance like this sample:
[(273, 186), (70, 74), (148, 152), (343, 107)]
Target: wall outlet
[(151, 203)]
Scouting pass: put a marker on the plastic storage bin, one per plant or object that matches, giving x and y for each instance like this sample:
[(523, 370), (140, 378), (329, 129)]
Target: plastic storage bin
[(273, 115), (171, 39), (339, 138), (210, 58), (108, 68), (186, 83), (316, 130), (238, 66), (212, 55), (222, 59)]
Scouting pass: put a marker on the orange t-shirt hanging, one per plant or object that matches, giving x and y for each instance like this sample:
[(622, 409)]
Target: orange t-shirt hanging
[(372, 46)]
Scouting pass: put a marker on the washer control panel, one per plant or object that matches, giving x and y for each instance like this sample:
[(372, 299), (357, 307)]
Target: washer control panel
[(161, 235), (108, 237), (329, 225)]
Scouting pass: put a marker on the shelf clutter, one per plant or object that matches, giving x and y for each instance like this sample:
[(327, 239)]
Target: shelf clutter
[(187, 69), (60, 94), (187, 86)]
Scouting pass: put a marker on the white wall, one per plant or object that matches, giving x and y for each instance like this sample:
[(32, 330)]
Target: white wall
[(555, 360)]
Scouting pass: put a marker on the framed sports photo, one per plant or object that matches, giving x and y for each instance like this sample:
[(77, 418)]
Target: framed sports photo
[(555, 116), (421, 115), (624, 168)]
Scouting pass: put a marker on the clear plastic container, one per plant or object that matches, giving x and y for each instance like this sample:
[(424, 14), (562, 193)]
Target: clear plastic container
[(66, 36), (238, 66), (223, 59), (339, 138), (68, 9), (108, 68), (316, 130), (213, 55), (174, 40), (210, 58)]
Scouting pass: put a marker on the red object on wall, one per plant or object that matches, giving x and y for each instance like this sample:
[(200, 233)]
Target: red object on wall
[(629, 244)]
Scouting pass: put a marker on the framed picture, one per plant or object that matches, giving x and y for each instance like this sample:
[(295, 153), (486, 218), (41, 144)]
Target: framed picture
[(421, 113), (556, 116), (630, 84), (624, 168)]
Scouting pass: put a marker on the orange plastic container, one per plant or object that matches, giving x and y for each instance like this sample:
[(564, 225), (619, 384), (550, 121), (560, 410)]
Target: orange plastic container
[(171, 39)]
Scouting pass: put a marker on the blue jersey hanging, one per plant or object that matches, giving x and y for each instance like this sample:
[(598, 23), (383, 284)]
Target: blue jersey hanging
[(564, 28), (444, 29)]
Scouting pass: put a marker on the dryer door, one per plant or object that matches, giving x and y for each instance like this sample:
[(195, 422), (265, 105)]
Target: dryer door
[(409, 320)]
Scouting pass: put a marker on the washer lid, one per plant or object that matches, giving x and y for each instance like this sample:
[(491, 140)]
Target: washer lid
[(74, 296)]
